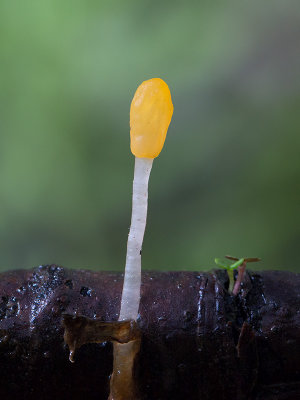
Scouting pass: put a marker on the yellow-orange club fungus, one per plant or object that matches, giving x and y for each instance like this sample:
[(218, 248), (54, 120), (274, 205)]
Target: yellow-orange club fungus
[(150, 116)]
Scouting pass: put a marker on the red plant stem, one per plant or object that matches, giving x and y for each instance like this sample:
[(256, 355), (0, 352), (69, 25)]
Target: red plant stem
[(239, 279)]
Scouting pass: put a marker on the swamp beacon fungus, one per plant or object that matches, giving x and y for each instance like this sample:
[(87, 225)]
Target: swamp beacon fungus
[(150, 116)]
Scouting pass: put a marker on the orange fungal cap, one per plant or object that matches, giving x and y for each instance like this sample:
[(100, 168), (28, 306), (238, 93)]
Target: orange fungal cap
[(150, 116)]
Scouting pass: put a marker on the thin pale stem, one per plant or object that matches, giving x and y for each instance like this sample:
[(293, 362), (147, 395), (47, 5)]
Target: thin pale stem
[(132, 279), (231, 280), (239, 279), (122, 385)]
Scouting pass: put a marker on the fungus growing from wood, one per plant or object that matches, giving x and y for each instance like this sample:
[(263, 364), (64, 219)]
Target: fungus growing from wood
[(150, 115)]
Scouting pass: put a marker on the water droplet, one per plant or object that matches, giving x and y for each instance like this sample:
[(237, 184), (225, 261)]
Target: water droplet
[(71, 356)]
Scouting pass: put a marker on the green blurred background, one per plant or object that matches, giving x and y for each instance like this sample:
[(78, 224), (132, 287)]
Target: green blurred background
[(227, 180)]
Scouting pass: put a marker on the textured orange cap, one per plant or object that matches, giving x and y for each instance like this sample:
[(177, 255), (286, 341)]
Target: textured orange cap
[(150, 116)]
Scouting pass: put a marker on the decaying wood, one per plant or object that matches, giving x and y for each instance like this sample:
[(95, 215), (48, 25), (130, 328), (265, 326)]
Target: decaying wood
[(197, 341)]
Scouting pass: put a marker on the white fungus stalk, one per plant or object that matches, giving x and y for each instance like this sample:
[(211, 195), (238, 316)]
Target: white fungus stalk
[(132, 278)]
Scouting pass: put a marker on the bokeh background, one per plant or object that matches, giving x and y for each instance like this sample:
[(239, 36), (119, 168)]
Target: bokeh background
[(227, 180)]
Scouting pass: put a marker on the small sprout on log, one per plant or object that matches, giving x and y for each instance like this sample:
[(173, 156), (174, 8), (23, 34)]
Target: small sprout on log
[(241, 271), (230, 268)]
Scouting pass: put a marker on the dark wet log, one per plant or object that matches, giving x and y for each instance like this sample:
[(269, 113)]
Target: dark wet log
[(197, 341)]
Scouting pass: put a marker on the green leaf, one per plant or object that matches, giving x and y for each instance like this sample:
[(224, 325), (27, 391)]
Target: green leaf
[(237, 263), (221, 263)]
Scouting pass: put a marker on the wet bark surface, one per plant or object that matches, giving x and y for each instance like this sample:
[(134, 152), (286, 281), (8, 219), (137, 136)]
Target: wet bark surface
[(197, 341)]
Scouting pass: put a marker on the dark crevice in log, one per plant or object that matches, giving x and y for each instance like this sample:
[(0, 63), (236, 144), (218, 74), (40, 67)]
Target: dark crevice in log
[(198, 342)]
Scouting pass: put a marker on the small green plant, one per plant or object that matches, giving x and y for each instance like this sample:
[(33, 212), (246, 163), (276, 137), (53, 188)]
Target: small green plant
[(230, 268), (240, 263)]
